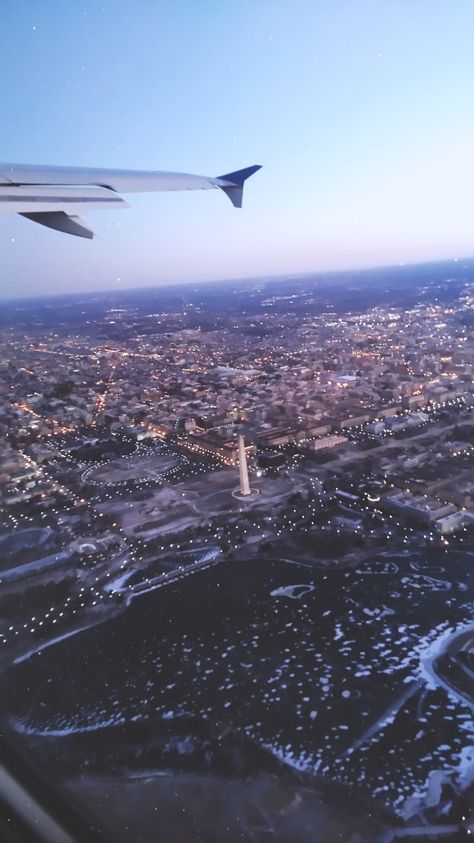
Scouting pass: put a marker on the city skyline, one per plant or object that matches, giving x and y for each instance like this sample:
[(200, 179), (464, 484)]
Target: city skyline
[(359, 116)]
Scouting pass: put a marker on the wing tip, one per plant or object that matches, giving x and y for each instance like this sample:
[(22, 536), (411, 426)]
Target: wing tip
[(236, 180)]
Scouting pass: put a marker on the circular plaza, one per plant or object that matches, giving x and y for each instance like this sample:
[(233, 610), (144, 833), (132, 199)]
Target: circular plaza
[(137, 469)]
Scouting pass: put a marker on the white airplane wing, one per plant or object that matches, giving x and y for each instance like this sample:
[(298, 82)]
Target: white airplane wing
[(55, 196)]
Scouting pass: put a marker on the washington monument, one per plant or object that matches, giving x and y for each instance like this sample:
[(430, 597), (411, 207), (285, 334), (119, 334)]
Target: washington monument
[(244, 474)]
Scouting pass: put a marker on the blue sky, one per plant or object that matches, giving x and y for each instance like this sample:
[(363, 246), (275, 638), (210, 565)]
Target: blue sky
[(361, 113)]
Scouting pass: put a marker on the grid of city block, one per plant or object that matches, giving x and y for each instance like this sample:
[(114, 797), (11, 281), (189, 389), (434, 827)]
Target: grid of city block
[(237, 539)]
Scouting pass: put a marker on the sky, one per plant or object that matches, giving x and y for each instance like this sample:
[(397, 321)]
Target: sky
[(360, 111)]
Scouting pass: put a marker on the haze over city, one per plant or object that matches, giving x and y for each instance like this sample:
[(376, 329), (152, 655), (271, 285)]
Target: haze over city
[(360, 114)]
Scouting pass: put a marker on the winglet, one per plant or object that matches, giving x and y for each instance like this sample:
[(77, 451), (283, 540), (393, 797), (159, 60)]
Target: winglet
[(235, 187)]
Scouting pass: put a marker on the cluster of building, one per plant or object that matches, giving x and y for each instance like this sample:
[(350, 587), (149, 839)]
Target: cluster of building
[(18, 477), (444, 516), (307, 380)]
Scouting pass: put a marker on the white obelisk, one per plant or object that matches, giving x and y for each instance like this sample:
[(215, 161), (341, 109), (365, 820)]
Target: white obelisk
[(244, 474)]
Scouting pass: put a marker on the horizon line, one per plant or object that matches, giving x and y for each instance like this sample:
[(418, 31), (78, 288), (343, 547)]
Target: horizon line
[(245, 278)]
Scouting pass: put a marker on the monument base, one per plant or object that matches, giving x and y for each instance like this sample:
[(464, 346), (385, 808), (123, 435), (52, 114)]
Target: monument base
[(252, 494)]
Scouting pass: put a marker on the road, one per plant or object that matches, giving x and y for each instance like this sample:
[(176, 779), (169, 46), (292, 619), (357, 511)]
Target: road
[(210, 559)]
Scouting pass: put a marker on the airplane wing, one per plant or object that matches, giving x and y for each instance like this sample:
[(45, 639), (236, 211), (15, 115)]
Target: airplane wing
[(55, 196)]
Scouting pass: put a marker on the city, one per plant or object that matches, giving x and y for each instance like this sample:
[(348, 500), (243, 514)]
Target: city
[(255, 501)]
